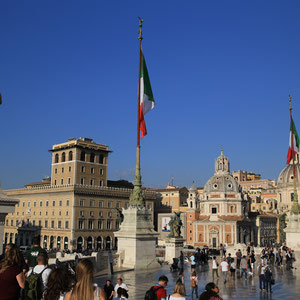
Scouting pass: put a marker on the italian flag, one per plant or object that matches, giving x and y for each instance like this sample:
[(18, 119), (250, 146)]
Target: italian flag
[(146, 96), (295, 137)]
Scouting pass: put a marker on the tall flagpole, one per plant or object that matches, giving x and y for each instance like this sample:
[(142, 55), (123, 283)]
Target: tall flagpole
[(136, 198), (295, 207)]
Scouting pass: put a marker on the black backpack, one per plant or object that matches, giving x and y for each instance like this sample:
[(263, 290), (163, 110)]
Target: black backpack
[(151, 294)]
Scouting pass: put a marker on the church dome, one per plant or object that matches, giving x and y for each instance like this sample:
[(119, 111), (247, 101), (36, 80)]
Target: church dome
[(286, 176), (222, 181)]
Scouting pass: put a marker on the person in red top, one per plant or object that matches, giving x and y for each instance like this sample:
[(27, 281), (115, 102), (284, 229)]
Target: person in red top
[(12, 277), (161, 293)]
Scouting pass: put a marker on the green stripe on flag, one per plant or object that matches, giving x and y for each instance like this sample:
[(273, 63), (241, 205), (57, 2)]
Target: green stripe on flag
[(145, 76), (296, 135)]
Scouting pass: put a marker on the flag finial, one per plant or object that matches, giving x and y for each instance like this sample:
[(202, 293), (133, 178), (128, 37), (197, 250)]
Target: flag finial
[(140, 30), (290, 102)]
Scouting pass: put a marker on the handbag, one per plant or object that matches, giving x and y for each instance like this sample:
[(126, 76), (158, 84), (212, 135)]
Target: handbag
[(272, 281)]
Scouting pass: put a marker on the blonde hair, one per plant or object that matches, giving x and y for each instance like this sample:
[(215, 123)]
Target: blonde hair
[(84, 288), (179, 288)]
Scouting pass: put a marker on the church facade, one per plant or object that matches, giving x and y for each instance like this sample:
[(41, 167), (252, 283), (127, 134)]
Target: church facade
[(220, 214)]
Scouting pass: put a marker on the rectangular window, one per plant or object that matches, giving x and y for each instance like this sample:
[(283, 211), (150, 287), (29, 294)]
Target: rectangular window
[(108, 224), (34, 204), (59, 224), (41, 203), (214, 210), (62, 170), (109, 214), (81, 180), (117, 224), (82, 169), (91, 213), (118, 205), (53, 203), (100, 213), (91, 224), (67, 212), (92, 170), (11, 222), (92, 203), (55, 182), (46, 224), (67, 224), (68, 202), (16, 222), (100, 203), (80, 224), (55, 171), (92, 181), (100, 224), (109, 204), (23, 204), (60, 202), (81, 213), (70, 169), (149, 206), (46, 213), (40, 223), (52, 224), (28, 204), (101, 182), (101, 171), (62, 182), (69, 180), (81, 202)]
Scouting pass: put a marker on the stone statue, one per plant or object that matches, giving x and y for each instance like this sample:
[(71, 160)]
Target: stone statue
[(175, 225), (119, 214)]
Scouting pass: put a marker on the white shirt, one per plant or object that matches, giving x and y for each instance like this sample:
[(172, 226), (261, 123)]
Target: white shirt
[(38, 269), (123, 286), (214, 264), (224, 266), (232, 266), (192, 258), (262, 270), (176, 298)]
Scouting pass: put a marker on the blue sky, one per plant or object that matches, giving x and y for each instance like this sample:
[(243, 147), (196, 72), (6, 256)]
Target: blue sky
[(221, 73)]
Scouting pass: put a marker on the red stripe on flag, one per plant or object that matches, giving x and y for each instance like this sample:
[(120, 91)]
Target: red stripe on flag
[(142, 122)]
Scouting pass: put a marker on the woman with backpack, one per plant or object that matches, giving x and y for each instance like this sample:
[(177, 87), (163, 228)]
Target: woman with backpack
[(85, 288), (59, 283), (194, 284), (179, 292), (12, 278)]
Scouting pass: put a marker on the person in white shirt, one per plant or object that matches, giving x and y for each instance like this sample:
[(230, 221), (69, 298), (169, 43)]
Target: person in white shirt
[(121, 284), (224, 267), (42, 267), (215, 266), (261, 273)]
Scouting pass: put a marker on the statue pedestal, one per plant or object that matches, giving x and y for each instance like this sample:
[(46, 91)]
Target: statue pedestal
[(173, 248), (293, 231), (137, 240)]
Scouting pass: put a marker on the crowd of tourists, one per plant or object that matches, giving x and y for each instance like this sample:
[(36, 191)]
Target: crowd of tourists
[(29, 277)]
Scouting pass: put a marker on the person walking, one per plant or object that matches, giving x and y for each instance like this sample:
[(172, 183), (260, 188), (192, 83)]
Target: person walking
[(238, 258), (180, 277), (215, 266), (32, 254), (181, 258), (193, 262), (109, 290), (121, 284), (224, 268), (194, 284), (211, 292), (12, 278), (232, 269), (261, 273), (268, 279), (179, 292), (58, 284), (85, 288), (244, 266), (252, 262), (41, 268), (160, 288)]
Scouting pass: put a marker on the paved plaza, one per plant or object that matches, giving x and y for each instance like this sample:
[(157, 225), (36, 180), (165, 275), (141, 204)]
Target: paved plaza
[(287, 284)]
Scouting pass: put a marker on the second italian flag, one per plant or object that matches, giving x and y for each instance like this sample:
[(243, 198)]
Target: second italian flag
[(146, 96), (294, 143)]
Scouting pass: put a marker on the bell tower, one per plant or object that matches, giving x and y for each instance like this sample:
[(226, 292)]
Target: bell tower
[(222, 164)]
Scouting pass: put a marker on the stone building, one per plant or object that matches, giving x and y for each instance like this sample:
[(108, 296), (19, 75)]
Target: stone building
[(220, 214), (75, 209)]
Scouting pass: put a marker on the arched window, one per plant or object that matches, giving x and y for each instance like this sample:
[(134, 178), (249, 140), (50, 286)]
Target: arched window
[(108, 242), (70, 155), (82, 156), (89, 242), (92, 157), (56, 158), (66, 243), (63, 157), (79, 243), (101, 159), (99, 242), (191, 203)]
